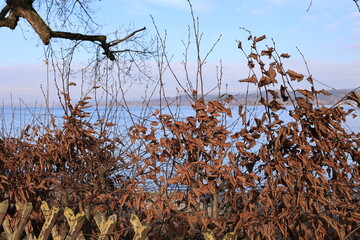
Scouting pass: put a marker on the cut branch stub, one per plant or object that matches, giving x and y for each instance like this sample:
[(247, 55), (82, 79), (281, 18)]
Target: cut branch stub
[(106, 226), (208, 234), (141, 228), (50, 218), (230, 236), (75, 222), (3, 209), (25, 214)]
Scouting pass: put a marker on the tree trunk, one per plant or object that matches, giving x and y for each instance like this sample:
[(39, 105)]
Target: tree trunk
[(37, 23)]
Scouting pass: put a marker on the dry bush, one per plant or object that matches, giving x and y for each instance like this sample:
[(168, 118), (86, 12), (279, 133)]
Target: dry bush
[(271, 178), (267, 178)]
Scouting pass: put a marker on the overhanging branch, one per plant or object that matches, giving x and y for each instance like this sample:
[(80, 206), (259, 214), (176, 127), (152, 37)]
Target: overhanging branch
[(82, 37), (45, 33), (96, 38), (10, 21), (5, 11)]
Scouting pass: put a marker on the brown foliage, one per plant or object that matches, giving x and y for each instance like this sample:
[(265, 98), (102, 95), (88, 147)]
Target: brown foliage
[(268, 178)]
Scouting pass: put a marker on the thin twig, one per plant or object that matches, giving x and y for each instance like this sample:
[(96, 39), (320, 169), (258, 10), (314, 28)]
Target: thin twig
[(310, 4), (357, 4), (130, 50), (115, 42)]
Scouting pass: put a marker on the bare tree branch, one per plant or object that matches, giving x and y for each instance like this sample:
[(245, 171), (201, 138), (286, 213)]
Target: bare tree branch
[(24, 9), (355, 1), (357, 4), (10, 21), (310, 4), (5, 11), (85, 10), (116, 42), (130, 50), (36, 22)]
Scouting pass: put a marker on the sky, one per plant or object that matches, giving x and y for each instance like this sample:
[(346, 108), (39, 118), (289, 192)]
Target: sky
[(328, 35)]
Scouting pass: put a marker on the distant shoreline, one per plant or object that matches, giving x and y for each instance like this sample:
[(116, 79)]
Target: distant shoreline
[(251, 99)]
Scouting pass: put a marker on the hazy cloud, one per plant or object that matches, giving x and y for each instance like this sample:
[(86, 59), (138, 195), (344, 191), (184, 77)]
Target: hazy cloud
[(198, 5), (279, 2), (23, 81), (173, 3), (353, 16), (257, 12), (308, 18), (352, 47), (336, 75), (332, 26)]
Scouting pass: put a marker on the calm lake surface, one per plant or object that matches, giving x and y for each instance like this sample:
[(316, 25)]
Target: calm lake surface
[(13, 119)]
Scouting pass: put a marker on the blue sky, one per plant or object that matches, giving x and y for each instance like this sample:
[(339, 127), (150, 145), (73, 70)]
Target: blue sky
[(328, 35)]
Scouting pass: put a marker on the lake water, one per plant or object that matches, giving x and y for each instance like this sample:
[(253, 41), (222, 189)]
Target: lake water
[(13, 119)]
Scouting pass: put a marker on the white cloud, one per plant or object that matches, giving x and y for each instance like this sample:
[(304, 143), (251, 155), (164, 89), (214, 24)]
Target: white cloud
[(355, 47), (198, 5), (257, 12), (353, 16), (337, 75), (308, 18), (279, 2), (172, 3), (22, 81), (332, 26)]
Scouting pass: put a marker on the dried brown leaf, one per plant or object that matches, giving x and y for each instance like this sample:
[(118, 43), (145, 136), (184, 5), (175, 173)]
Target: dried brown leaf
[(258, 39), (251, 79), (306, 93), (295, 76), (285, 55)]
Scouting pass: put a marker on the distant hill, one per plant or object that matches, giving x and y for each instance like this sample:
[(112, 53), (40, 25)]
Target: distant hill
[(335, 97)]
